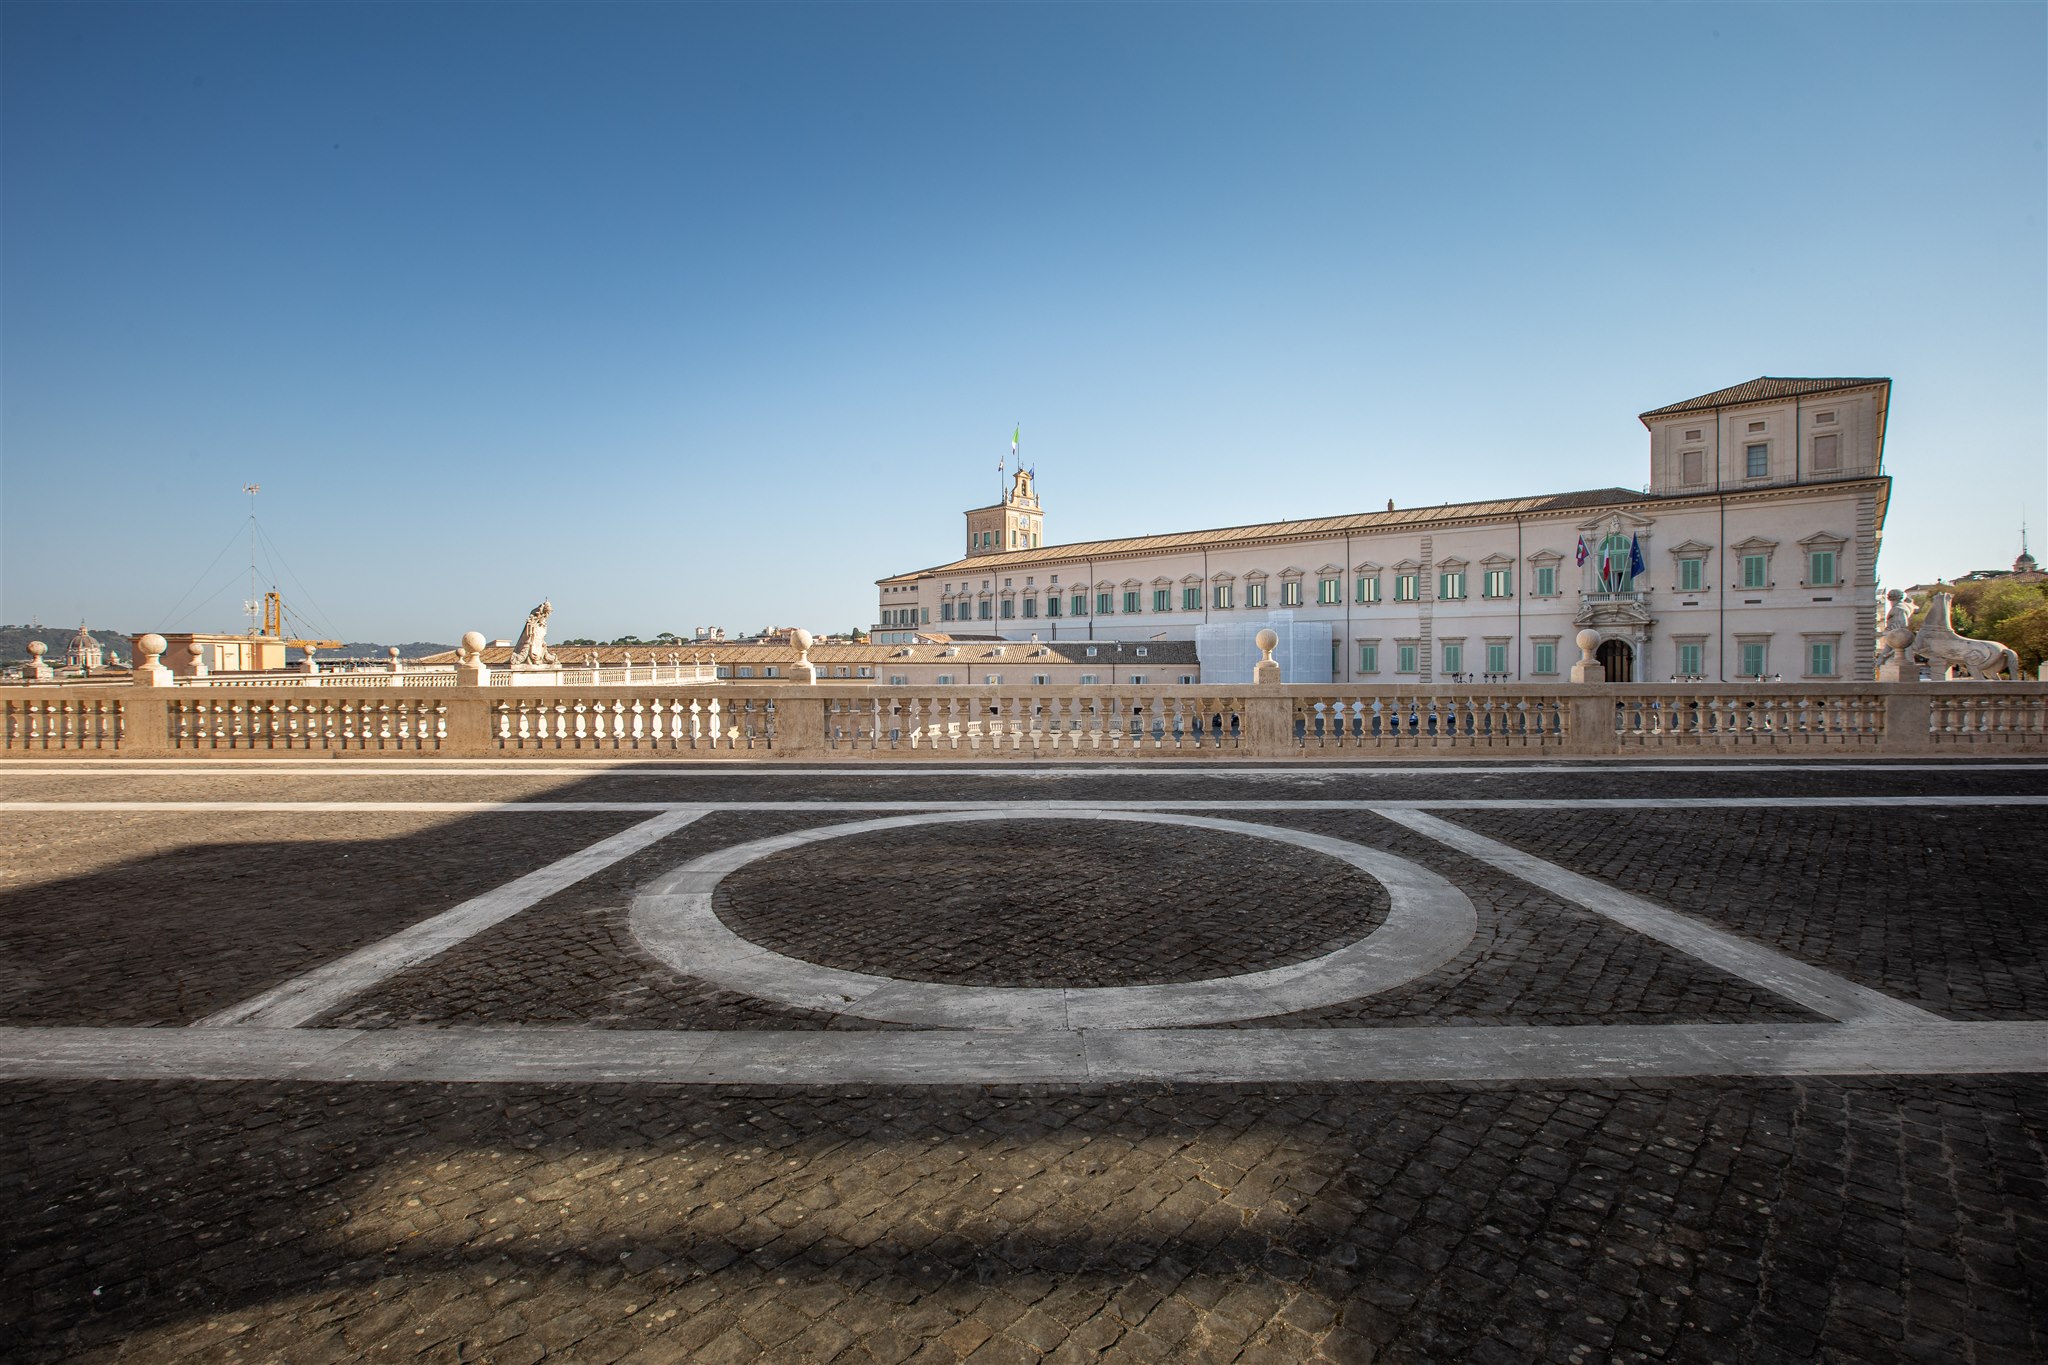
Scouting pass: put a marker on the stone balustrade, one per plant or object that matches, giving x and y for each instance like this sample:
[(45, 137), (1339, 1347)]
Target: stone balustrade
[(827, 722)]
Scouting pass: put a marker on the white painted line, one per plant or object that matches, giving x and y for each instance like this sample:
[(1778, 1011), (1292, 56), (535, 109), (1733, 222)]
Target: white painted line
[(1444, 803), (1029, 771), (1428, 923), (1818, 990), (307, 997), (1587, 1053)]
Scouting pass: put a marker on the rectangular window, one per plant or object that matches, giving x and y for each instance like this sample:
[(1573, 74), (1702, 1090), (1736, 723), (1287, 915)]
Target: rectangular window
[(1102, 603), (1820, 569), (1451, 585), (945, 679), (1692, 467), (1221, 598), (1496, 658), (1290, 593), (1326, 592), (1009, 608), (1759, 461), (1404, 659), (1692, 574), (1546, 580), (1368, 590), (746, 672), (1827, 454), (1040, 679), (898, 680), (1031, 606), (1454, 658), (724, 671), (945, 611), (1161, 599), (1691, 661), (981, 609), (1191, 599), (1407, 587), (1090, 679), (1756, 571), (1497, 585), (1052, 605), (992, 679), (1131, 600), (1255, 594), (1752, 659), (1369, 658), (1080, 604), (1138, 678), (771, 672), (1820, 658), (1546, 656)]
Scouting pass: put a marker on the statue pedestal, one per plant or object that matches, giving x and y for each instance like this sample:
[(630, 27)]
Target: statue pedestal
[(1589, 671), (534, 675), (1898, 671)]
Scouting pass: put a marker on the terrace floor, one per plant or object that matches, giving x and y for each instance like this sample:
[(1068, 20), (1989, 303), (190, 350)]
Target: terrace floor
[(504, 1061)]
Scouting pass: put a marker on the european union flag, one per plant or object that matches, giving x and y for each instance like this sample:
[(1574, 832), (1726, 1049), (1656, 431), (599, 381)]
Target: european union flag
[(1636, 567)]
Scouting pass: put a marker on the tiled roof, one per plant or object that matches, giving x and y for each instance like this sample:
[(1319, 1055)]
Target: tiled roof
[(732, 652), (1762, 389), (1280, 530)]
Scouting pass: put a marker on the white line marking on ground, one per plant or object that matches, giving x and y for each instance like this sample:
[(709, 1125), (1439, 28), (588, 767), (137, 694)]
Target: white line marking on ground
[(307, 997), (1818, 990), (1429, 922), (837, 1059), (1451, 803)]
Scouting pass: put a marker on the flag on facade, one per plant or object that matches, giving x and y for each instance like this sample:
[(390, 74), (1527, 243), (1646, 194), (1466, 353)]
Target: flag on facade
[(1607, 561), (1582, 551), (1636, 567)]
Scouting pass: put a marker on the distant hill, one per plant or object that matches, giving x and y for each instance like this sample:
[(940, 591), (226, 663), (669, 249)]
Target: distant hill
[(368, 650)]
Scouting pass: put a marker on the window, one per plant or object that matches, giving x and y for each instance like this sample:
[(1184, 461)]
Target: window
[(1031, 606), (1691, 660), (1546, 656), (1820, 658), (1404, 658), (1089, 679), (1824, 417), (1161, 597), (1613, 563), (1407, 587), (1326, 592), (1190, 598), (945, 679), (1752, 658), (1546, 580), (1369, 657), (1255, 594), (771, 671), (1290, 593), (1827, 454), (1221, 597), (1692, 466), (724, 671), (1138, 678), (1368, 589), (1759, 460), (1692, 574), (1039, 679), (1454, 657), (945, 611), (746, 672), (1820, 570), (1052, 605), (898, 680), (1693, 435), (1187, 680), (1756, 571), (866, 671), (1496, 658), (1131, 600), (992, 679), (981, 609), (1497, 585), (1451, 585), (1092, 651), (1009, 608), (1142, 651), (1080, 604), (1102, 603)]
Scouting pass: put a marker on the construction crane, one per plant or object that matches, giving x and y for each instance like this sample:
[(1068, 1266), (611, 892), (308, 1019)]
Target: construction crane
[(273, 624)]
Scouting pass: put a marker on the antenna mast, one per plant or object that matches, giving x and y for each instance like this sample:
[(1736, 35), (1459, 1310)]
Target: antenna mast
[(254, 604)]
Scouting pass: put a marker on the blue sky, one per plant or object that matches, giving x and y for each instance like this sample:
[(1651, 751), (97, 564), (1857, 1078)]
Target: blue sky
[(694, 315)]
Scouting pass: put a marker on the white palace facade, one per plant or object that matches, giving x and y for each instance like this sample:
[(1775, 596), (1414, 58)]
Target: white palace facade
[(1751, 554)]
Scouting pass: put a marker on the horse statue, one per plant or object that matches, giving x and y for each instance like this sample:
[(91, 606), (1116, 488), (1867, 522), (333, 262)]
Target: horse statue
[(532, 648), (1938, 644)]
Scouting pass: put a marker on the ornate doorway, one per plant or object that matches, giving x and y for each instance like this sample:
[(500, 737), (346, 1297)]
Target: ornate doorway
[(1618, 659)]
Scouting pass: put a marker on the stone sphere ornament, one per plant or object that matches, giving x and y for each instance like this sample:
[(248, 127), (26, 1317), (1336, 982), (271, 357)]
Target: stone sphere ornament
[(1589, 640), (36, 649)]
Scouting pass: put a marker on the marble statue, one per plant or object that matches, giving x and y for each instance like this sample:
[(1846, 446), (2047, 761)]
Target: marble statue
[(1938, 643), (1895, 628), (532, 649)]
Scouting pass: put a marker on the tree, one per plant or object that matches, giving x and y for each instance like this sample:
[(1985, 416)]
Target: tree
[(628, 640), (2026, 633), (2011, 612), (857, 635)]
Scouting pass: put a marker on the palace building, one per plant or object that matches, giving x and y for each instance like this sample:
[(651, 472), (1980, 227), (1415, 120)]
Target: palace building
[(1752, 553)]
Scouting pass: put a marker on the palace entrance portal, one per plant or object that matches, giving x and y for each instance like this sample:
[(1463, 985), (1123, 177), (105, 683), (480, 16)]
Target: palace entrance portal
[(1619, 660)]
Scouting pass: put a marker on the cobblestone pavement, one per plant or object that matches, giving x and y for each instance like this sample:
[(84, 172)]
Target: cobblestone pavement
[(1732, 1217)]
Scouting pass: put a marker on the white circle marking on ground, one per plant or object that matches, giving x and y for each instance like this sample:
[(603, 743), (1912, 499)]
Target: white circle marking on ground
[(1429, 922)]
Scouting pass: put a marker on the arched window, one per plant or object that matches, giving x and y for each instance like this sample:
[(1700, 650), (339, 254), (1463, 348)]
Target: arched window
[(1612, 564)]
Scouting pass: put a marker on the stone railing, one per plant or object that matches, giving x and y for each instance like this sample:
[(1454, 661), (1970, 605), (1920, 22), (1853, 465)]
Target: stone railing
[(444, 675), (835, 721)]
